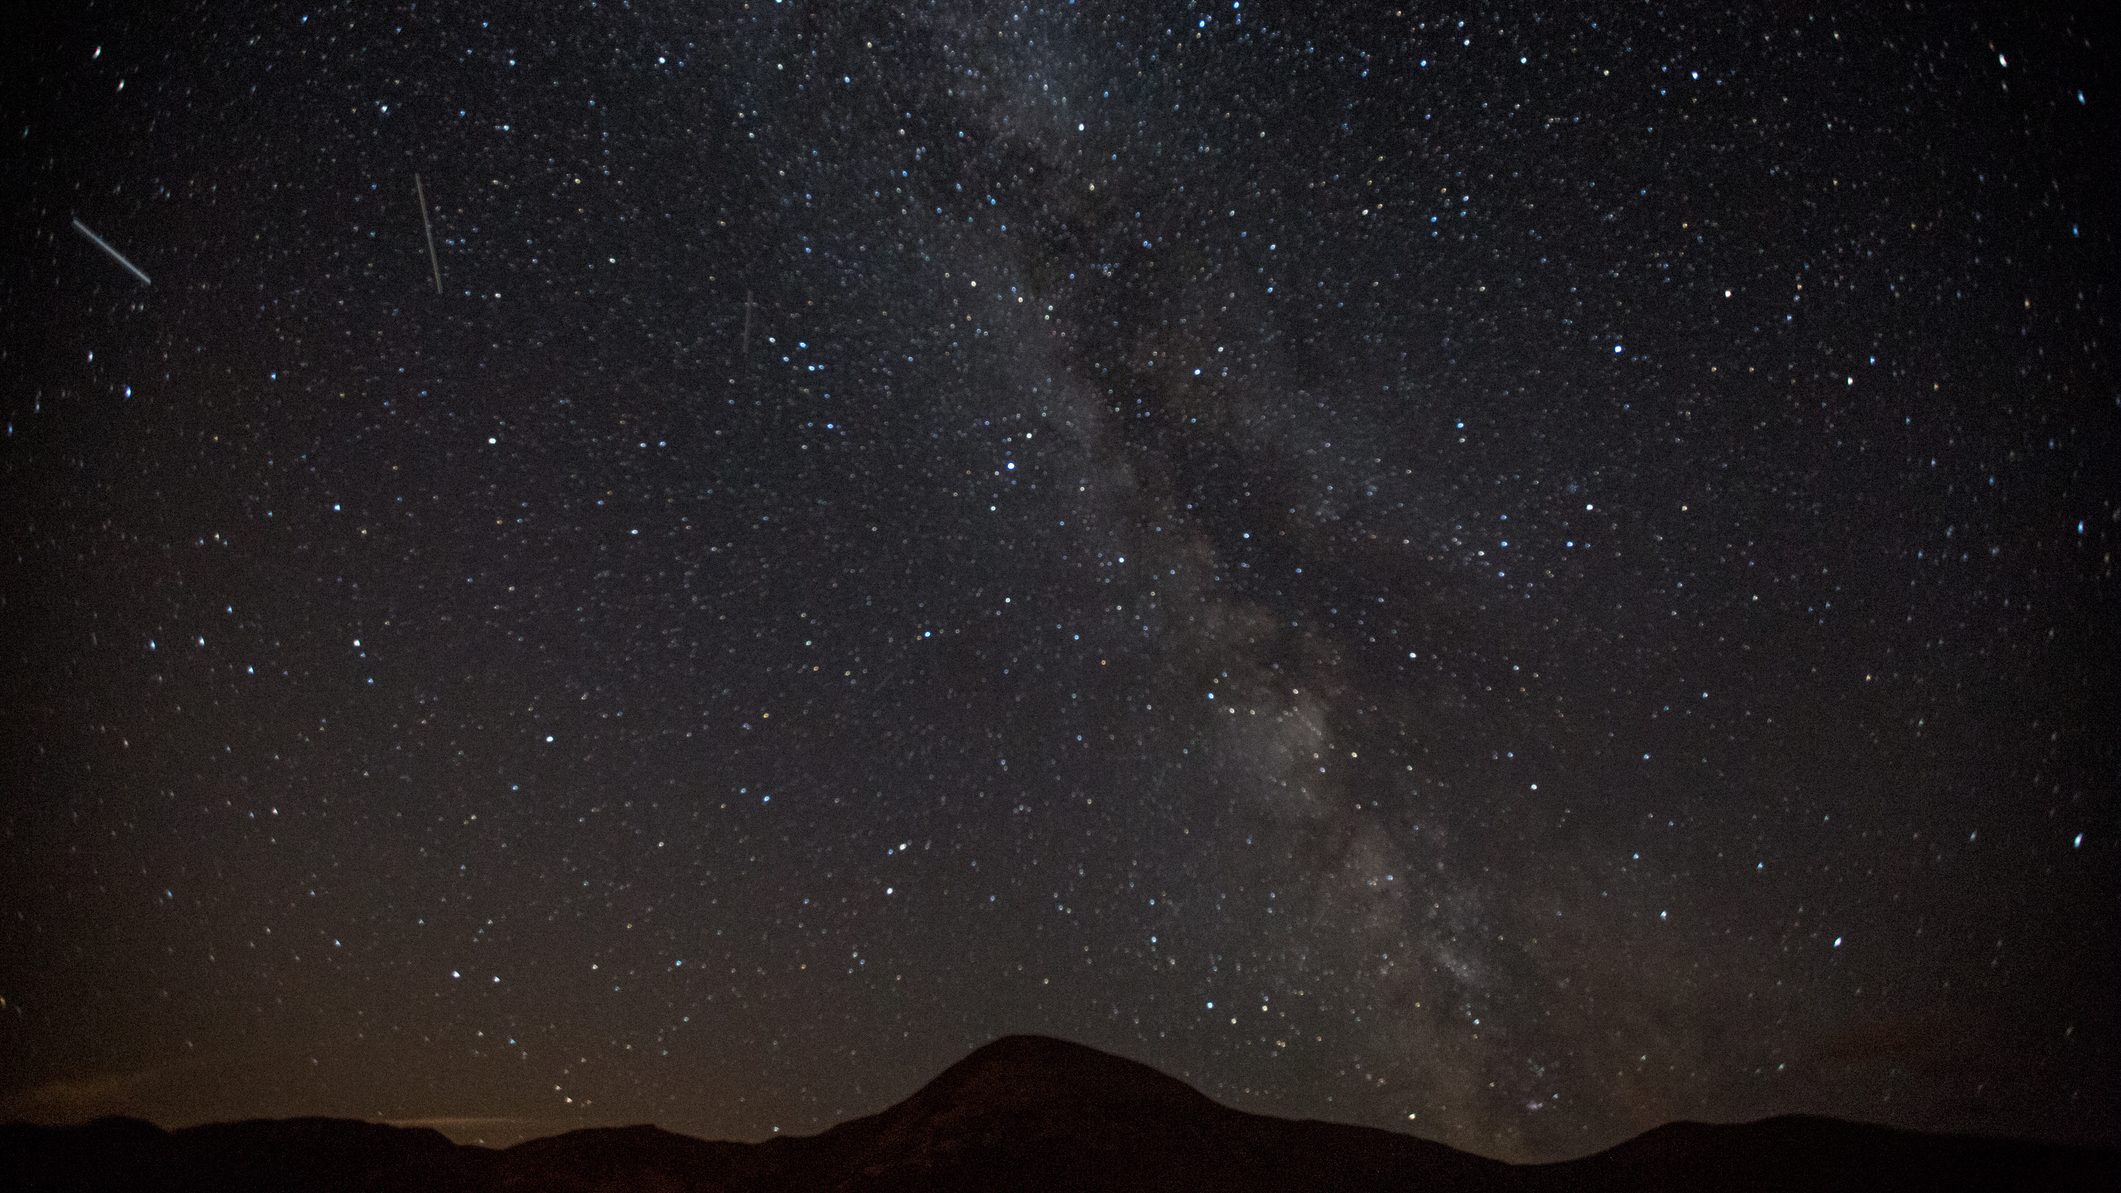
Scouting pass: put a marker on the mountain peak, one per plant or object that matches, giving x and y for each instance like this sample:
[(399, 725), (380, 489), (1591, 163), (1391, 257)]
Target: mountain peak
[(1051, 1060), (1025, 1077), (1030, 1047)]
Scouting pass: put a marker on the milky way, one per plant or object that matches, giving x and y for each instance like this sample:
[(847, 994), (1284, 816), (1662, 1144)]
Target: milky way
[(1504, 574)]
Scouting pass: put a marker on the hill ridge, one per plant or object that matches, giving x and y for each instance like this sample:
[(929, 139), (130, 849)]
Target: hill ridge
[(1024, 1112)]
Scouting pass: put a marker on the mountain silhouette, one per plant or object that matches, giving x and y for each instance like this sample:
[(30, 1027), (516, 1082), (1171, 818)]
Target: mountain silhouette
[(1023, 1113)]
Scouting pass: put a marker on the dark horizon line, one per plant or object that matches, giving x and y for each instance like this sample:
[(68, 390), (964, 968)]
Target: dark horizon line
[(433, 1122)]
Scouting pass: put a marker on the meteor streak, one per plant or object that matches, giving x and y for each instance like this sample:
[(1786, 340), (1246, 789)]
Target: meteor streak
[(433, 260), (115, 255)]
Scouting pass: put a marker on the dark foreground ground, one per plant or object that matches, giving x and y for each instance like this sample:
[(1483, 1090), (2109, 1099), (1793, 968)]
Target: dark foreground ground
[(1025, 1113)]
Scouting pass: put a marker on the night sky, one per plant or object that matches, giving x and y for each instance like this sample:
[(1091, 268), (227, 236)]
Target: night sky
[(1508, 573)]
